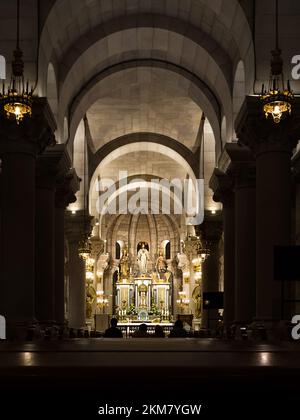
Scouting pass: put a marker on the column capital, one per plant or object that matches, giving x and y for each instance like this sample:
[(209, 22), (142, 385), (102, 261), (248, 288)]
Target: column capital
[(262, 135), (55, 165), (238, 161), (76, 225), (211, 231), (66, 188), (222, 186), (33, 134), (97, 246), (48, 167)]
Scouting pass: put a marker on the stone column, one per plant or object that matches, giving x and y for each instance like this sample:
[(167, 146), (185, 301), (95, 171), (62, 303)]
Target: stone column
[(222, 185), (272, 145), (238, 162), (52, 196), (295, 308), (76, 267), (211, 232), (44, 244), (245, 249), (66, 187), (19, 146)]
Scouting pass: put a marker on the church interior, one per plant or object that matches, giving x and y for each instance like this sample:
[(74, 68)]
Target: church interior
[(158, 148)]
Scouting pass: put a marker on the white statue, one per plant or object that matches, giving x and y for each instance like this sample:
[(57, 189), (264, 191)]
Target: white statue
[(143, 257)]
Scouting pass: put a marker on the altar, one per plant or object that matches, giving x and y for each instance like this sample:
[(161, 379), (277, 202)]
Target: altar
[(129, 328), (143, 296)]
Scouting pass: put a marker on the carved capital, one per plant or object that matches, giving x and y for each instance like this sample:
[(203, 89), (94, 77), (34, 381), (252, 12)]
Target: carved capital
[(66, 187), (238, 161), (222, 186), (76, 225)]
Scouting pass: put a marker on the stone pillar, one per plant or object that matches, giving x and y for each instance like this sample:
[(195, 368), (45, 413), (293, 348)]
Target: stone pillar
[(44, 244), (53, 194), (272, 145), (245, 255), (222, 185), (19, 146), (238, 162), (66, 187), (295, 308), (211, 232), (76, 267)]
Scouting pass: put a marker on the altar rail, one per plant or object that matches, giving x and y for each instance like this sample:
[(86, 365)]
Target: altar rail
[(129, 328)]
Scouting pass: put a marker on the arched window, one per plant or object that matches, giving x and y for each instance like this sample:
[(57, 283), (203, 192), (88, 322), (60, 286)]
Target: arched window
[(168, 250), (118, 251), (166, 247)]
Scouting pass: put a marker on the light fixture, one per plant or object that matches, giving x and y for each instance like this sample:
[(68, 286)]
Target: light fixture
[(16, 102), (278, 97), (73, 211), (182, 300), (84, 247), (102, 300)]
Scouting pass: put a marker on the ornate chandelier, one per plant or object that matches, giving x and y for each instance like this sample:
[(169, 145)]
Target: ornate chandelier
[(16, 102), (278, 97)]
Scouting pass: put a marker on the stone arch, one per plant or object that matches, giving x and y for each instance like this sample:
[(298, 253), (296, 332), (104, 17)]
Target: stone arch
[(198, 91), (155, 138), (227, 23), (239, 89), (52, 93)]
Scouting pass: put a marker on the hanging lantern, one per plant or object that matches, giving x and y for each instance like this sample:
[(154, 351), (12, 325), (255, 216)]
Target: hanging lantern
[(16, 101), (278, 97)]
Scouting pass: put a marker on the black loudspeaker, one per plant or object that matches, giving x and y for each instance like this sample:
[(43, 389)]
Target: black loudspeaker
[(287, 263), (213, 300)]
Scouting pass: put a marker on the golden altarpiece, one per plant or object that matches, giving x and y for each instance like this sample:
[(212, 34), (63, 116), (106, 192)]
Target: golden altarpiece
[(142, 295)]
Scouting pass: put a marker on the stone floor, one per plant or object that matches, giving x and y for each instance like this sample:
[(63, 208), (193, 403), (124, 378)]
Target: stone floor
[(88, 370)]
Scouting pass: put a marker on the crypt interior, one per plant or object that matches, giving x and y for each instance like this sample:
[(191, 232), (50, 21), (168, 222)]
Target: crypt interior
[(124, 97)]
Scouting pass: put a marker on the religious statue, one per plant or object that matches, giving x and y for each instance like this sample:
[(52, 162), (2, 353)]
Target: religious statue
[(90, 298), (143, 258), (161, 264), (124, 265), (196, 295), (143, 296)]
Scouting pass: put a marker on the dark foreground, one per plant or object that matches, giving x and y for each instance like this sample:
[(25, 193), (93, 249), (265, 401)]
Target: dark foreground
[(76, 377)]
